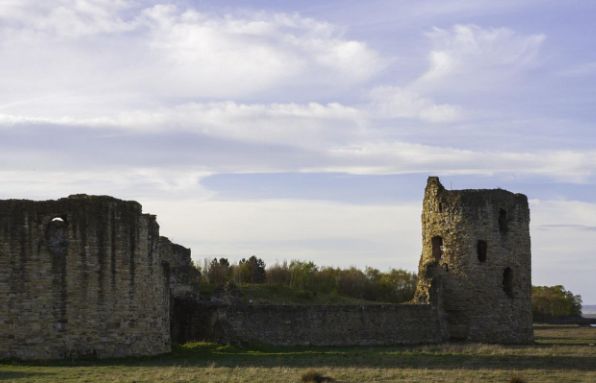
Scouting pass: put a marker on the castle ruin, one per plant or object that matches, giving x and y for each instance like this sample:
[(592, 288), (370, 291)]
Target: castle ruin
[(91, 276), (476, 250), (474, 284), (84, 276)]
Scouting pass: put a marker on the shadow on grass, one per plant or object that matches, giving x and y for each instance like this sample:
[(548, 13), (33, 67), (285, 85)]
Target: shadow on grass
[(554, 342), (208, 354), (377, 357), (11, 375)]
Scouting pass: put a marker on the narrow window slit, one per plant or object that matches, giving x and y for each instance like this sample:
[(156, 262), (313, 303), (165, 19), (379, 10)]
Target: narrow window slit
[(508, 282), (437, 247), (503, 221), (481, 249)]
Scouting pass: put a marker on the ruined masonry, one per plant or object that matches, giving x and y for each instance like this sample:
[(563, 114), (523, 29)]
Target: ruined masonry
[(85, 276), (473, 284), (476, 254), (90, 276)]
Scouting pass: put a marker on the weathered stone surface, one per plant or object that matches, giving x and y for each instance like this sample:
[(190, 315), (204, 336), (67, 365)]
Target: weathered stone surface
[(81, 276), (319, 325), (184, 277), (90, 276), (184, 282), (476, 251)]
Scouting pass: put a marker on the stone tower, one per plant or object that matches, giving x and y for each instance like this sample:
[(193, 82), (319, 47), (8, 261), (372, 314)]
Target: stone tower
[(476, 254), (81, 276)]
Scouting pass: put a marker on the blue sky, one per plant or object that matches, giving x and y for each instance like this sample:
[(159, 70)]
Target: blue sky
[(306, 129)]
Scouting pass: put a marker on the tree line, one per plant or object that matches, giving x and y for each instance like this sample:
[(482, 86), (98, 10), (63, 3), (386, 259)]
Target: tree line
[(394, 286)]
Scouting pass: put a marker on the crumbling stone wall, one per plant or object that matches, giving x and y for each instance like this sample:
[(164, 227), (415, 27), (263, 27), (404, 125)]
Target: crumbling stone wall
[(319, 325), (184, 288), (476, 252), (90, 276), (184, 276), (81, 276)]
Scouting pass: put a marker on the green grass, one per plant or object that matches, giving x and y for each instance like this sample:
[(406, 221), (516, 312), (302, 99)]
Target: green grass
[(561, 354)]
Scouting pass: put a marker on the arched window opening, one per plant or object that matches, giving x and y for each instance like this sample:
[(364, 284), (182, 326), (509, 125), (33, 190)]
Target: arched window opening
[(481, 249), (503, 221), (437, 246), (56, 235), (508, 282)]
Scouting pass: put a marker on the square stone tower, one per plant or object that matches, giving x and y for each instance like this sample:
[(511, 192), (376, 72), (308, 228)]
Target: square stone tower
[(476, 261)]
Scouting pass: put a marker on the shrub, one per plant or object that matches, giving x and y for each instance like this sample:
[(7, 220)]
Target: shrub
[(393, 286), (251, 270), (302, 274), (352, 282), (278, 275), (218, 271), (555, 302), (314, 376), (517, 379)]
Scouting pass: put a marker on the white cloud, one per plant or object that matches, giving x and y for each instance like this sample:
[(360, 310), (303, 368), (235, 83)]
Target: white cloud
[(473, 57), (98, 54), (315, 137), (465, 58), (298, 125), (401, 157), (129, 183), (395, 102), (61, 18)]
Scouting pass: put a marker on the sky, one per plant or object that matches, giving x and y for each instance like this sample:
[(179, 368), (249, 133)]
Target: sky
[(307, 129)]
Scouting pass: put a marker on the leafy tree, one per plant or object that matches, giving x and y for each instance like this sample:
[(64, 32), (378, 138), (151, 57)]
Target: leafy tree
[(371, 284), (251, 270), (399, 285), (219, 271), (352, 282), (325, 280), (302, 274), (278, 275), (554, 302)]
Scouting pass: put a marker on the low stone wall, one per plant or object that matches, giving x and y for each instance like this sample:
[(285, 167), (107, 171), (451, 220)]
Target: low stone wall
[(319, 325)]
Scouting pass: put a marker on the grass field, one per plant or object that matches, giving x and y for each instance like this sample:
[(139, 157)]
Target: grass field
[(561, 354)]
